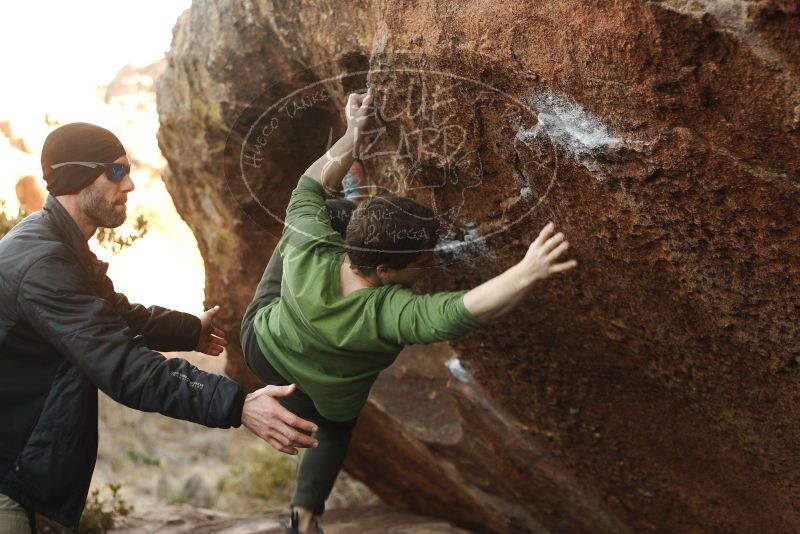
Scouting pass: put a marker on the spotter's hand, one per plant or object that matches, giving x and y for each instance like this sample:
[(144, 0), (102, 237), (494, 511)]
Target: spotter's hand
[(212, 338), (264, 416)]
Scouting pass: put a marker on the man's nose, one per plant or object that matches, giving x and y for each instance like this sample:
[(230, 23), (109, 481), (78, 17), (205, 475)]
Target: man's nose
[(127, 184)]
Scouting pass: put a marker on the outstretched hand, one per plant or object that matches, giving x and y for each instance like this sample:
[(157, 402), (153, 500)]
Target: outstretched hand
[(540, 260), (498, 296), (212, 338), (266, 418)]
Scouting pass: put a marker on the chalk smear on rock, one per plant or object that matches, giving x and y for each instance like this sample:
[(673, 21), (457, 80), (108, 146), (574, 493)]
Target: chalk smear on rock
[(570, 127)]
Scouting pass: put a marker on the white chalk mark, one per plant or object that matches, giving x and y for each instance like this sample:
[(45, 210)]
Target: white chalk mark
[(568, 125), (549, 465), (462, 375), (457, 370), (467, 249)]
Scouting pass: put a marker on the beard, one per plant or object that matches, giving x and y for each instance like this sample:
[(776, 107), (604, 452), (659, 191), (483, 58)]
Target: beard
[(98, 209)]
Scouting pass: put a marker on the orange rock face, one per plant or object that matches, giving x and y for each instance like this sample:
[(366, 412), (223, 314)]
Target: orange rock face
[(30, 196), (655, 387)]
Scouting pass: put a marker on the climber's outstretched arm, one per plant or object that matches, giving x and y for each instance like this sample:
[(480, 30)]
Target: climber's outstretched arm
[(503, 293), (332, 166)]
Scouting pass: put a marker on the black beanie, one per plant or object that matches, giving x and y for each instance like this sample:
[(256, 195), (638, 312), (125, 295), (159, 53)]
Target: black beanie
[(77, 141)]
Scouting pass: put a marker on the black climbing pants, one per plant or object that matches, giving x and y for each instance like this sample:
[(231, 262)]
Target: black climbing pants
[(320, 466)]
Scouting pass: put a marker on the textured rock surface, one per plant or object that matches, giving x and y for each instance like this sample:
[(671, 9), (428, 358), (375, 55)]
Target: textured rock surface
[(654, 388)]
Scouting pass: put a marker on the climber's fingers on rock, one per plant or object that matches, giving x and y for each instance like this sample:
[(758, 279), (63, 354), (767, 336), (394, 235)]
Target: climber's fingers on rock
[(352, 106), (543, 235), (551, 243), (362, 95), (565, 266), (553, 253), (366, 99), (359, 100), (358, 109), (352, 100), (363, 112)]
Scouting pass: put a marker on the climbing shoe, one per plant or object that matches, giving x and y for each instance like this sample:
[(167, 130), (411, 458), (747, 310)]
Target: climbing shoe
[(292, 526)]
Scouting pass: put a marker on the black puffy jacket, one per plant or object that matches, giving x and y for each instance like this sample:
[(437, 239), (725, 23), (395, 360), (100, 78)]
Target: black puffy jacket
[(64, 333)]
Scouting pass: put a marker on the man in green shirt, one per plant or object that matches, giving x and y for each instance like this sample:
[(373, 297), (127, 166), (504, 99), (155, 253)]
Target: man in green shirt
[(331, 312)]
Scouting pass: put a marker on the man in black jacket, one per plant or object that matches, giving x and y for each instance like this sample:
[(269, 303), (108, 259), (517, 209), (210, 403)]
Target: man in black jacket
[(65, 333)]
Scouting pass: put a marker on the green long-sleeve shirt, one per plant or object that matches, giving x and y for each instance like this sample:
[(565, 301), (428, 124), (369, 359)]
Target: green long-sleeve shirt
[(332, 346)]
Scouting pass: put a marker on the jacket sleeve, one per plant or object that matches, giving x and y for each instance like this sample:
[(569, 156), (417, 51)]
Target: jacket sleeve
[(86, 329), (163, 329)]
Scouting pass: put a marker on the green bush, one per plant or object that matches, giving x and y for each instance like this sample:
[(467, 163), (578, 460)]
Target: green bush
[(142, 457), (109, 238), (262, 473), (7, 222), (115, 241), (99, 515)]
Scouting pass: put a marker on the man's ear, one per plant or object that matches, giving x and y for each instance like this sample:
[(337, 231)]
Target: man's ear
[(383, 272)]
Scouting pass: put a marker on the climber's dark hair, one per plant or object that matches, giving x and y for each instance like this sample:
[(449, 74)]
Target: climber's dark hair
[(390, 230)]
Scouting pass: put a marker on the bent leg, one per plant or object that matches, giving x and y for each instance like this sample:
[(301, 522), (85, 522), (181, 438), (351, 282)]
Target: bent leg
[(320, 467), (268, 289)]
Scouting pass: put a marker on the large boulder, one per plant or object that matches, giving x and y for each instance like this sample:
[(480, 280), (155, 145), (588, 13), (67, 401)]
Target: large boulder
[(655, 387)]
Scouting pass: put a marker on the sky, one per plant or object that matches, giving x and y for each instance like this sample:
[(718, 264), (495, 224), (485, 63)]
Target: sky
[(52, 51), (53, 57)]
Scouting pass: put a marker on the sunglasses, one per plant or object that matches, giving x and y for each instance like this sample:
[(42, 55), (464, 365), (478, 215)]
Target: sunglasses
[(114, 171)]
